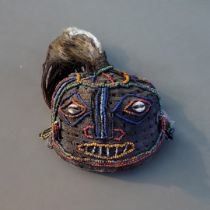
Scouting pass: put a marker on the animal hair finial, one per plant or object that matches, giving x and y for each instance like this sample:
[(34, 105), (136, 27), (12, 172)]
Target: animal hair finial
[(75, 50)]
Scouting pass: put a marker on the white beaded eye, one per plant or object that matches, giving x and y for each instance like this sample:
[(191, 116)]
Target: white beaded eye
[(138, 106), (74, 109)]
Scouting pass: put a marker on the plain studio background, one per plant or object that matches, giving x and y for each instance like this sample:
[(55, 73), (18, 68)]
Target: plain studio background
[(166, 41)]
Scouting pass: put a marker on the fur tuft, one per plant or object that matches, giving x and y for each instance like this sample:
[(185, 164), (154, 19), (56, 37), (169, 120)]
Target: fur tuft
[(75, 50), (73, 31)]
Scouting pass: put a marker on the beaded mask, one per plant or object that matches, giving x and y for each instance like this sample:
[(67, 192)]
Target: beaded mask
[(102, 119)]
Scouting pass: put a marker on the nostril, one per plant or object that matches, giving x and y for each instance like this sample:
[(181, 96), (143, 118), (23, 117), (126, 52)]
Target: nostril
[(88, 131), (118, 133)]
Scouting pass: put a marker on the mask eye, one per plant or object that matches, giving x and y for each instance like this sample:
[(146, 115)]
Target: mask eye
[(137, 107), (132, 108), (74, 109)]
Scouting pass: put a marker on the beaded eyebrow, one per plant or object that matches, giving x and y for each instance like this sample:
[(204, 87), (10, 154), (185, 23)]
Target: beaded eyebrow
[(102, 119)]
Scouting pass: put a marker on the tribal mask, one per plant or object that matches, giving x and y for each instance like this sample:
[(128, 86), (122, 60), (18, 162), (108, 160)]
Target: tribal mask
[(102, 119)]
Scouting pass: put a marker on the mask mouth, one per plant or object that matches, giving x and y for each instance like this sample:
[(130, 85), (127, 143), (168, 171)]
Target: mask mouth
[(106, 151), (104, 156)]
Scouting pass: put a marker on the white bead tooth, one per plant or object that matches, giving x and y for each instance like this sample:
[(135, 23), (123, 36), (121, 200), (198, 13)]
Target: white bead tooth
[(107, 151), (93, 150), (126, 147), (116, 151), (100, 151)]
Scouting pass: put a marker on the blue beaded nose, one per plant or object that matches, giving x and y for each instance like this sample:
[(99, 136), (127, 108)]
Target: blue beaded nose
[(100, 114)]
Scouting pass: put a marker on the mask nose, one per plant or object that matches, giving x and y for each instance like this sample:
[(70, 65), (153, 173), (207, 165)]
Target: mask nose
[(101, 121), (89, 133), (118, 133)]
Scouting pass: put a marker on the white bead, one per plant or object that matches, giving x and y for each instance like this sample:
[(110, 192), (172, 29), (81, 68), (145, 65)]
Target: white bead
[(73, 109), (138, 106)]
